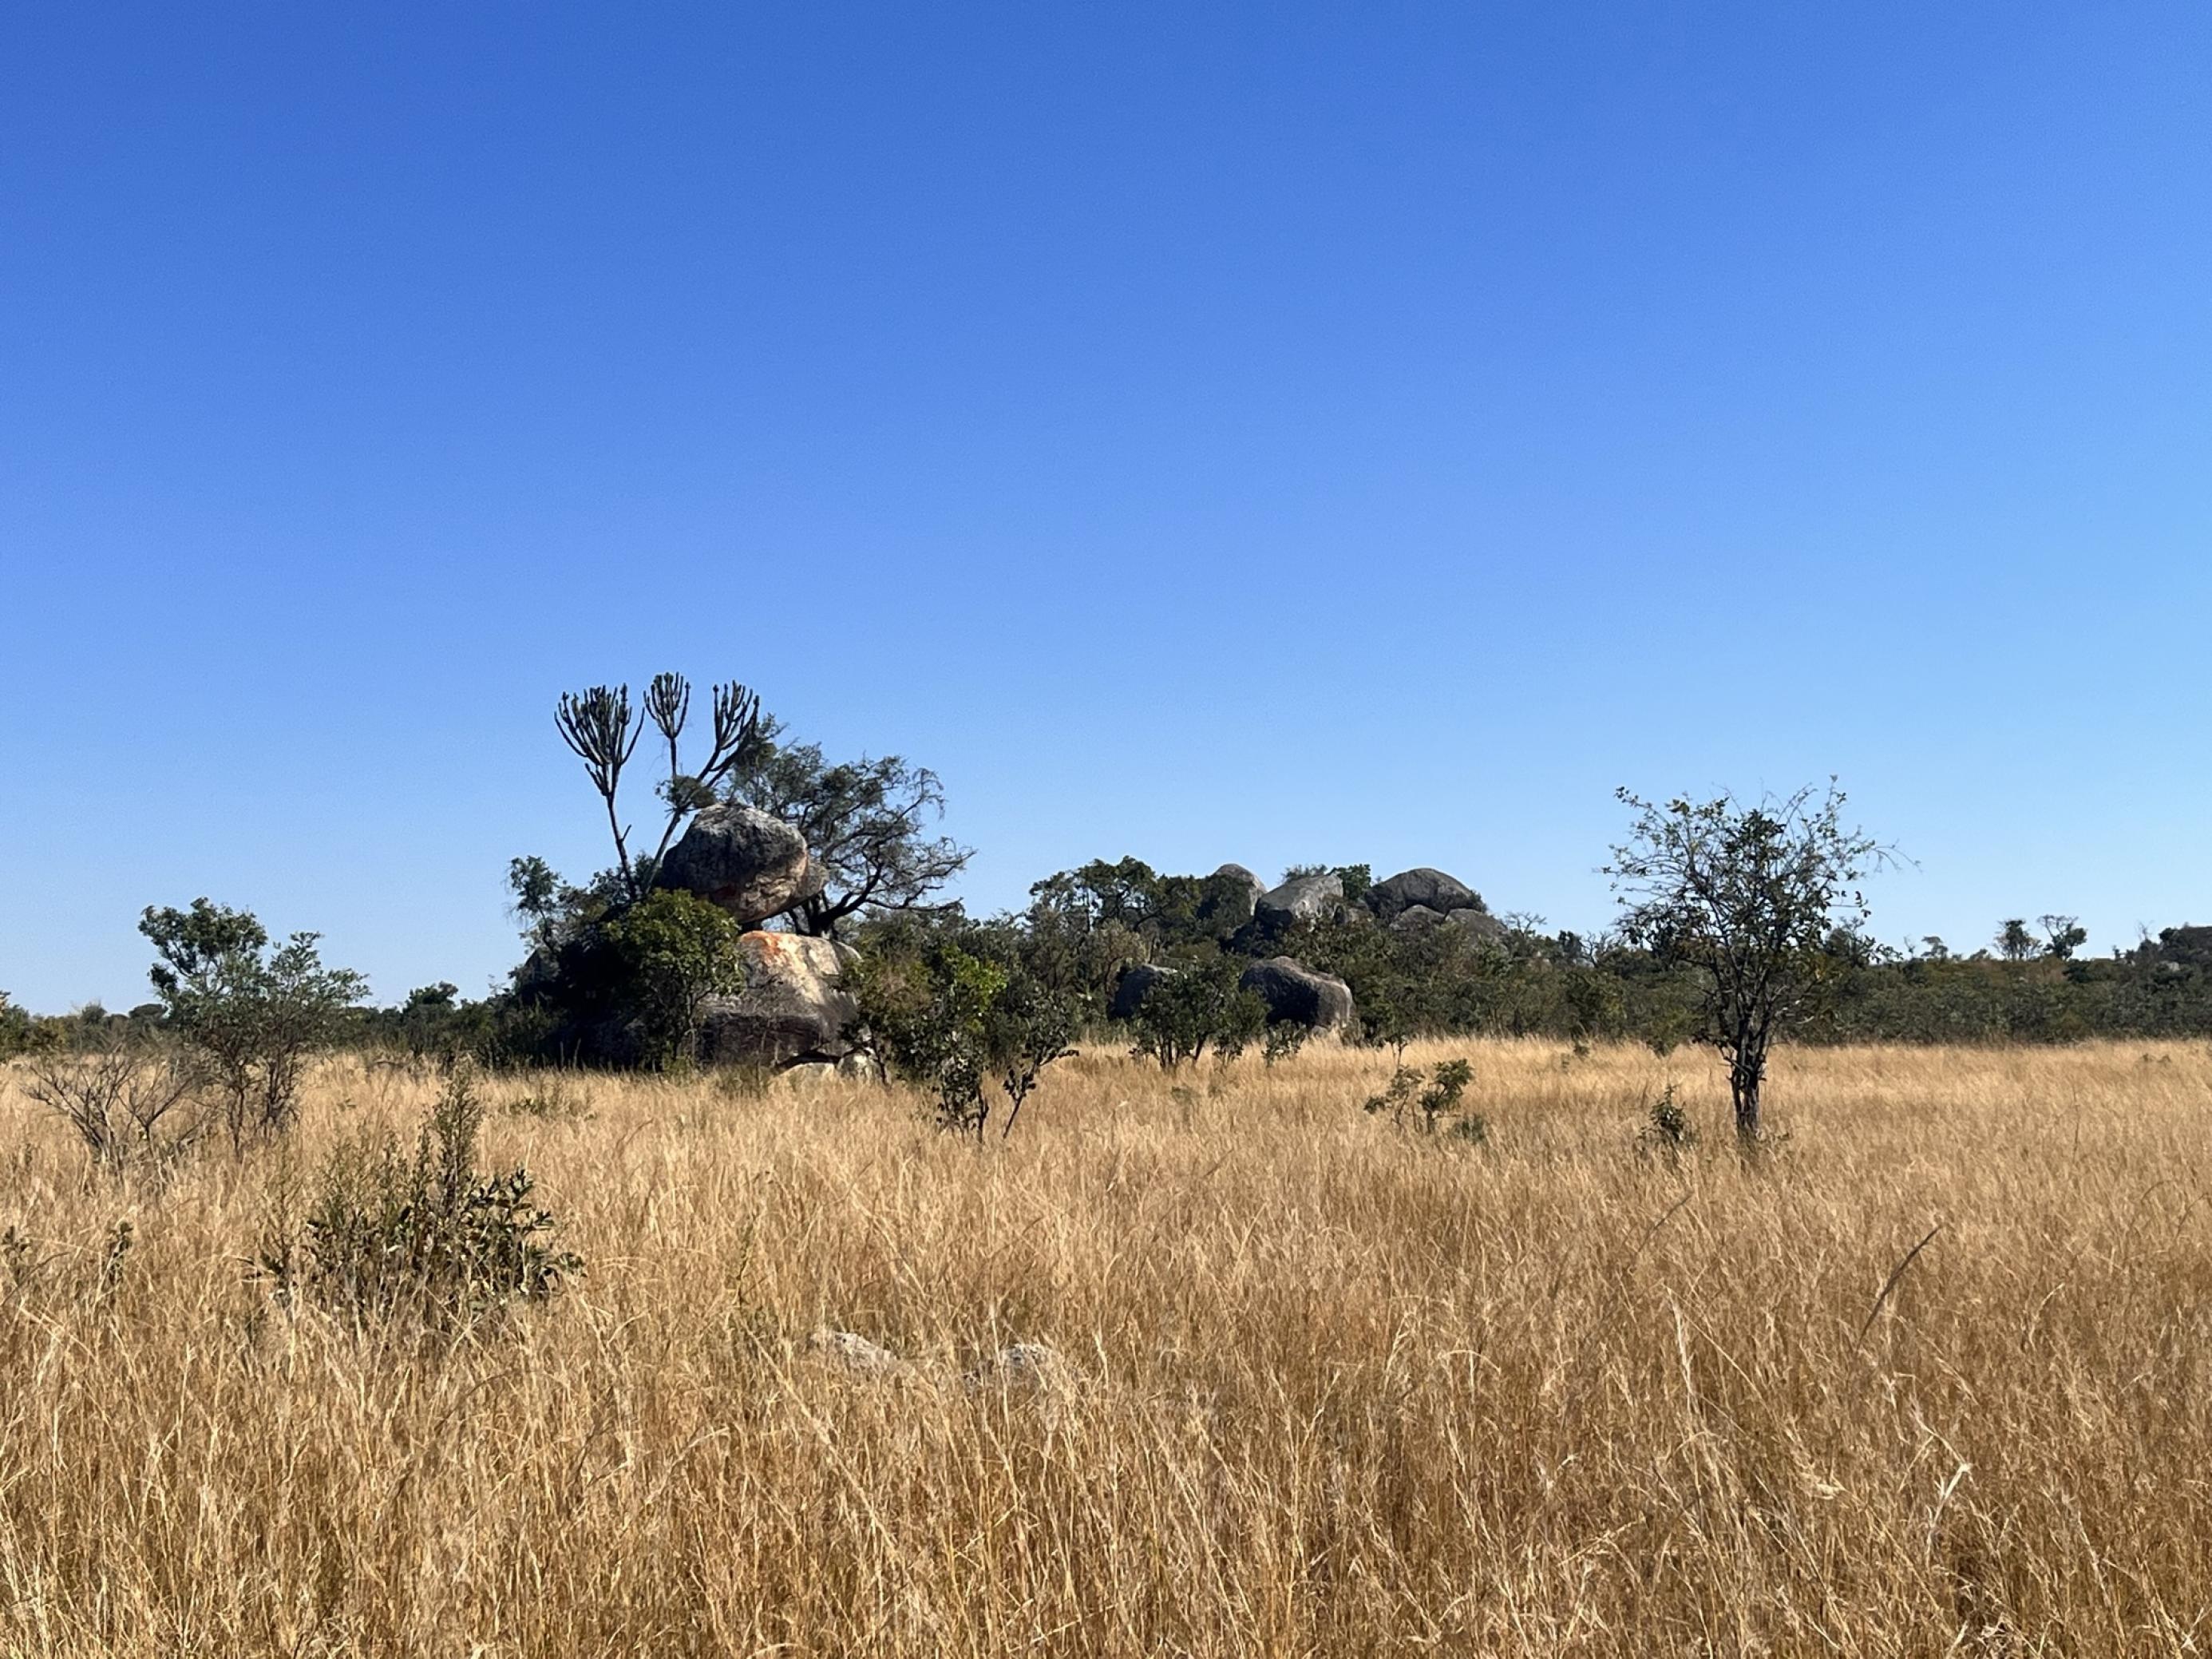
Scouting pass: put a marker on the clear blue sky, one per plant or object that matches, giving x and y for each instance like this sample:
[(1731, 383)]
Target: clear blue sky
[(1269, 433)]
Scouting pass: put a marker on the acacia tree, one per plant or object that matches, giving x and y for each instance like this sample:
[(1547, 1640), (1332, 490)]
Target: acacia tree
[(2016, 941), (599, 725), (2062, 936), (1748, 899), (865, 822)]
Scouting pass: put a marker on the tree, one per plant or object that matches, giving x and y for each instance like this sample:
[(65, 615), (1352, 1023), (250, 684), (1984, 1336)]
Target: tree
[(2016, 942), (679, 950), (952, 1009), (1746, 899), (255, 1013), (2062, 936), (865, 824), (599, 725), (16, 1028), (1197, 1005)]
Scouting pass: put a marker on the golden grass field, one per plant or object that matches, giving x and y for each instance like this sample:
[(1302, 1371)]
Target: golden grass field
[(1324, 1387)]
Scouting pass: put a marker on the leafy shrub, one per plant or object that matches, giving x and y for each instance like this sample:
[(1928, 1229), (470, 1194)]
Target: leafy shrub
[(1200, 1004), (952, 1009), (1428, 1097), (1667, 1127), (679, 950), (387, 1232)]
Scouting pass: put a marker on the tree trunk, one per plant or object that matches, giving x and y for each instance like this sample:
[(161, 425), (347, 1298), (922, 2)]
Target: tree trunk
[(1745, 1072)]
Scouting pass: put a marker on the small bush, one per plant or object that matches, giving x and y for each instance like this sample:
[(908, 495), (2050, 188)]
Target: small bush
[(1406, 1099), (129, 1107), (1200, 1004), (1667, 1127), (387, 1232), (254, 1012)]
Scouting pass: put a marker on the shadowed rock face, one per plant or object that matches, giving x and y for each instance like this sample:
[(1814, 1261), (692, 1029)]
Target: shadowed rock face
[(1414, 918), (793, 1007), (1431, 889), (750, 864), (1480, 923), (1309, 898), (1131, 988), (1297, 995)]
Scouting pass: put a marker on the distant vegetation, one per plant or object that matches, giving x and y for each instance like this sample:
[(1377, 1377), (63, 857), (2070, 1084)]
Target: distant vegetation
[(1739, 925)]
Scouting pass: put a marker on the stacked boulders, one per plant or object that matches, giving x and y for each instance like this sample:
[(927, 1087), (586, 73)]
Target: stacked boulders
[(1422, 897), (792, 1010), (749, 862)]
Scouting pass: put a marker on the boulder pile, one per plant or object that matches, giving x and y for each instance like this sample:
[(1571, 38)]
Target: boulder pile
[(791, 1010), (751, 864)]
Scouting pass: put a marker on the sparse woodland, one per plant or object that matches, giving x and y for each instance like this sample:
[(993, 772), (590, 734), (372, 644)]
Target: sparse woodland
[(791, 1262)]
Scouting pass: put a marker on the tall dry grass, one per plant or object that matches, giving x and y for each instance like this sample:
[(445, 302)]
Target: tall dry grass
[(1325, 1388)]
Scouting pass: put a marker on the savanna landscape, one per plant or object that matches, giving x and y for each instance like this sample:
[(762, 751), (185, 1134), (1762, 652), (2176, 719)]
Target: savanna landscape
[(1303, 1382), (1219, 831), (786, 1261)]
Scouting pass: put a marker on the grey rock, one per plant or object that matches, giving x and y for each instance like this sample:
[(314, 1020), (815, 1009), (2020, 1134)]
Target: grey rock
[(1480, 923), (793, 1007), (1416, 918), (1432, 890), (1134, 987), (752, 865), (1295, 994), (1307, 899), (851, 1351)]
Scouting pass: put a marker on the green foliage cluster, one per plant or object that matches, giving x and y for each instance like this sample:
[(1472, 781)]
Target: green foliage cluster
[(252, 1012), (1427, 1099), (1196, 1004), (954, 1009), (387, 1230), (675, 949)]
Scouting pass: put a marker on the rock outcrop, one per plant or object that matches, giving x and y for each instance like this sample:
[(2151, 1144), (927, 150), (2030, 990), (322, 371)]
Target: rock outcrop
[(1480, 923), (1431, 889), (1295, 994), (1415, 918), (1131, 988), (792, 1010), (752, 865), (1302, 898)]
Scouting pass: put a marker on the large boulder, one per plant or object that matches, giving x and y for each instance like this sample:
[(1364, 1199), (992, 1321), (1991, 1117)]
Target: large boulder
[(1432, 890), (1478, 923), (1302, 898), (1416, 919), (792, 1008), (753, 865), (1295, 994), (1134, 987)]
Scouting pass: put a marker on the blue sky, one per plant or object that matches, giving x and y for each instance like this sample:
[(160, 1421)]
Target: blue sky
[(1350, 432)]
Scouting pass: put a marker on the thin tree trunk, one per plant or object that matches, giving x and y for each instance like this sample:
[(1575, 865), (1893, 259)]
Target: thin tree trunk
[(1745, 1073)]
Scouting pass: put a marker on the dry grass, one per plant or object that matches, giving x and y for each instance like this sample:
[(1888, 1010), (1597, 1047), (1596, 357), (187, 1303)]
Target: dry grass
[(1326, 1388)]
